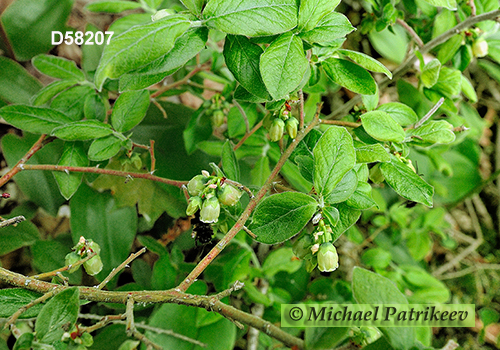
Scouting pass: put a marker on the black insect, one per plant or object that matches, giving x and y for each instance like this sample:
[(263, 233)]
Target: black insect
[(202, 232)]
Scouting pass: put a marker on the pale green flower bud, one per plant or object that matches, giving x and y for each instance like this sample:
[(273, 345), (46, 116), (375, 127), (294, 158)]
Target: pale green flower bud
[(93, 247), (218, 118), (480, 48), (291, 126), (194, 205), (210, 210), (230, 195), (302, 247), (70, 259), (93, 266), (196, 185), (276, 129), (328, 259)]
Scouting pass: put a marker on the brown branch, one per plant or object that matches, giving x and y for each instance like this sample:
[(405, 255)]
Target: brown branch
[(341, 123), (65, 268), (95, 170), (120, 267), (247, 135), (12, 221), (178, 82), (155, 296), (301, 109), (238, 226), (16, 168), (410, 31)]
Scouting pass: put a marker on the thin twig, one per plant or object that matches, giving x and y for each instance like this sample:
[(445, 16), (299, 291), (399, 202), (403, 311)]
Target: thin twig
[(469, 270), (12, 319), (250, 233), (152, 155), (177, 83), (301, 109), (95, 170), (160, 108), (471, 248), (247, 135), (18, 167), (237, 285), (341, 123), (429, 114), (120, 267), (244, 114), (65, 268), (240, 187), (130, 325), (472, 5), (12, 221), (410, 31)]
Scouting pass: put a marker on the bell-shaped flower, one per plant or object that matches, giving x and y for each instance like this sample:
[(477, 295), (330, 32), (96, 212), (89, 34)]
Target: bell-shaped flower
[(328, 259), (210, 210)]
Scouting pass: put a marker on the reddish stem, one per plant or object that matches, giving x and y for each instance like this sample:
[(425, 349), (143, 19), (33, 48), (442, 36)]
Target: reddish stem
[(93, 170)]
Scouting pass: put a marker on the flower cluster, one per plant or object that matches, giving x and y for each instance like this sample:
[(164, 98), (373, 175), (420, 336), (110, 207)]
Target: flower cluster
[(280, 122), (317, 249), (207, 194), (217, 110), (83, 248)]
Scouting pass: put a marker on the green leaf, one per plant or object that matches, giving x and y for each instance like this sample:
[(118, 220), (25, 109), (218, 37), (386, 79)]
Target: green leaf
[(250, 18), (23, 234), (198, 129), (12, 299), (372, 153), (362, 197), (449, 82), (37, 120), (378, 258), (73, 155), (164, 274), (344, 189), (24, 342), (449, 48), (390, 44), (283, 65), (334, 156), (61, 311), (367, 62), (432, 132), (242, 59), (229, 162), (332, 26), (16, 84), (350, 76), (281, 216), (48, 92), (468, 90), (312, 11), (332, 215), (94, 107), (317, 338), (28, 25), (371, 288), (114, 232), (194, 6), (139, 46), (82, 130), (347, 217), (71, 102), (379, 125), (58, 67), (406, 183), (419, 244), (449, 4), (114, 6), (260, 172), (129, 109), (400, 112), (430, 73), (104, 148), (241, 94), (280, 260), (185, 47)]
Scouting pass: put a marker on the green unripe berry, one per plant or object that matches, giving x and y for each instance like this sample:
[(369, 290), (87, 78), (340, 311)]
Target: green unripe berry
[(93, 266), (218, 118), (71, 259)]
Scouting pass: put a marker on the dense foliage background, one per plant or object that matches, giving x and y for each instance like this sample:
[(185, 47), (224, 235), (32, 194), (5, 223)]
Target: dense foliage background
[(97, 141)]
